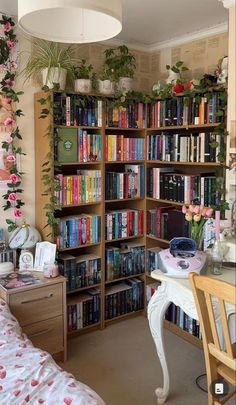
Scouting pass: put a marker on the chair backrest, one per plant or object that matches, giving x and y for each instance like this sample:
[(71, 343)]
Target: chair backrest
[(211, 296)]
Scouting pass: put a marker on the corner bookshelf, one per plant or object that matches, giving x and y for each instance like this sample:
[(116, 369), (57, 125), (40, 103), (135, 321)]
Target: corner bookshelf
[(125, 167)]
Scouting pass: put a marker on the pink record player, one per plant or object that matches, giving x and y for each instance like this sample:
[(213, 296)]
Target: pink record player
[(182, 258)]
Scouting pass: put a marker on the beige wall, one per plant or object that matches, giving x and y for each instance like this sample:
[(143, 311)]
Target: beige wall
[(200, 56)]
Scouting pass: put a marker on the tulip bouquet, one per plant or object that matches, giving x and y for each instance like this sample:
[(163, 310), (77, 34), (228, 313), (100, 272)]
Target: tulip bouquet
[(197, 215)]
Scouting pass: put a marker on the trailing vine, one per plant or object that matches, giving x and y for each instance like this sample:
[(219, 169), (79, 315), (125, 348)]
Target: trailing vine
[(9, 96)]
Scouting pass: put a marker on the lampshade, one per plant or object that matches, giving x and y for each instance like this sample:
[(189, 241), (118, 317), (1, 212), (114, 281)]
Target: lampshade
[(70, 21)]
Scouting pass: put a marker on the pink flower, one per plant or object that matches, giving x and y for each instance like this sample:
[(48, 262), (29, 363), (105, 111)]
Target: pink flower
[(18, 213), (203, 211), (12, 197), (14, 65), (14, 178), (184, 209), (11, 158), (8, 121), (7, 27), (197, 217), (8, 100), (188, 216), (191, 208), (10, 82), (11, 44), (9, 140), (209, 212), (196, 209)]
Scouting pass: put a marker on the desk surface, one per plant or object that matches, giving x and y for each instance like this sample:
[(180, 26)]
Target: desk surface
[(228, 275)]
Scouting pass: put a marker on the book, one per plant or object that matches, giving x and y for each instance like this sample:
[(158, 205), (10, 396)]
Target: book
[(67, 145), (17, 280)]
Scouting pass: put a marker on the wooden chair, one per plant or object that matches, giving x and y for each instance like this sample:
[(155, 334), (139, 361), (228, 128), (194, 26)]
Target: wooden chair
[(220, 363)]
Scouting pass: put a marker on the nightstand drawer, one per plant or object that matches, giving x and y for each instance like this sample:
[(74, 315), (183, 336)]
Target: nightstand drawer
[(47, 335), (37, 304)]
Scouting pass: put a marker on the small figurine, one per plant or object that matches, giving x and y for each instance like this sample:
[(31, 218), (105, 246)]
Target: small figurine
[(222, 71)]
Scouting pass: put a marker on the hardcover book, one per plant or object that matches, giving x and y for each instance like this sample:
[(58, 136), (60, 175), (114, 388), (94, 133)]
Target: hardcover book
[(67, 145)]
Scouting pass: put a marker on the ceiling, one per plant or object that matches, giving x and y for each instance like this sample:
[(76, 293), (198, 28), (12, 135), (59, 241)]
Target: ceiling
[(154, 23)]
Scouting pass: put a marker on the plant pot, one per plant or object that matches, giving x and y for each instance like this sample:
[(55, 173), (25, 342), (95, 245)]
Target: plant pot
[(83, 85), (125, 84), (54, 75), (106, 86), (172, 77)]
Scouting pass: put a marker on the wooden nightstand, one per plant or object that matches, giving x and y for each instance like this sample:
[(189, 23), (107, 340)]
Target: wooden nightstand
[(41, 312)]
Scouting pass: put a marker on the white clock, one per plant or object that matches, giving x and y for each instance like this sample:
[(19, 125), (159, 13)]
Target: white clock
[(26, 261)]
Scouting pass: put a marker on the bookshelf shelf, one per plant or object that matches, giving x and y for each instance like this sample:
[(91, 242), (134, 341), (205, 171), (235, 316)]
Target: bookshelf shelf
[(121, 317), (79, 163), (125, 238), (124, 199), (124, 278), (123, 129), (77, 126), (79, 247), (183, 334), (77, 332), (169, 202), (187, 127), (124, 162), (158, 239), (83, 288), (81, 205), (168, 163)]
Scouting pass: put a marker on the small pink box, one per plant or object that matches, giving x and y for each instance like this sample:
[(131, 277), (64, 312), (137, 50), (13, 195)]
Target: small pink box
[(50, 270)]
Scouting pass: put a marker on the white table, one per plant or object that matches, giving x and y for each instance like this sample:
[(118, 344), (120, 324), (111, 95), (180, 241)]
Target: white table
[(179, 292)]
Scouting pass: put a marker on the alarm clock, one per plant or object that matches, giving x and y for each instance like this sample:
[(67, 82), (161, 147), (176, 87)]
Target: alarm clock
[(26, 261)]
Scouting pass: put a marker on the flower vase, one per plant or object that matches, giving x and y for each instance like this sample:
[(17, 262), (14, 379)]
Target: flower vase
[(197, 233)]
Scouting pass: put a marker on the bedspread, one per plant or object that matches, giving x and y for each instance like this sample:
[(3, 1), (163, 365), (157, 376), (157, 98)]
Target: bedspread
[(30, 376)]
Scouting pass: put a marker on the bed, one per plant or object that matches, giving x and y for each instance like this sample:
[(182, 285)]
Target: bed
[(30, 376)]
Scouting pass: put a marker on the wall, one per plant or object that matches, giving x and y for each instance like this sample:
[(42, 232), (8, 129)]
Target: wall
[(200, 56)]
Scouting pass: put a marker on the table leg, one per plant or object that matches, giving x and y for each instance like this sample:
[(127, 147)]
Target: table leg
[(156, 311)]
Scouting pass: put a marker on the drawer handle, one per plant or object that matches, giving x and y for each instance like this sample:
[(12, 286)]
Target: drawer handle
[(38, 299), (42, 332)]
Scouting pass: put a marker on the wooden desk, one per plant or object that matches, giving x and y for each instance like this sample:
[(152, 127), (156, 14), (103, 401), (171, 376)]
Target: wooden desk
[(41, 312), (179, 292)]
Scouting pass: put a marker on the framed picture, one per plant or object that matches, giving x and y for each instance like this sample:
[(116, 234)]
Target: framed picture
[(45, 253)]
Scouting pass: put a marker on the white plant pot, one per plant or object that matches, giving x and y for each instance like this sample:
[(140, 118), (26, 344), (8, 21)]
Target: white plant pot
[(172, 78), (106, 86), (83, 85), (55, 75), (125, 84)]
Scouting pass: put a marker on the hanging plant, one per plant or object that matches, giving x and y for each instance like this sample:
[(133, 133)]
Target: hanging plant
[(12, 197)]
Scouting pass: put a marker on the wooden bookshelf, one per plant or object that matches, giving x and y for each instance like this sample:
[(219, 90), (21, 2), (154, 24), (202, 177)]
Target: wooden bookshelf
[(145, 203)]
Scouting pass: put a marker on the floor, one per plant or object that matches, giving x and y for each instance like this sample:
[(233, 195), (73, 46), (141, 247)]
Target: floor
[(121, 365)]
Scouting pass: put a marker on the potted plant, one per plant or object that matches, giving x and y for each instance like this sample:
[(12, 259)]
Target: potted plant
[(53, 61), (175, 76), (122, 62), (106, 81), (84, 77)]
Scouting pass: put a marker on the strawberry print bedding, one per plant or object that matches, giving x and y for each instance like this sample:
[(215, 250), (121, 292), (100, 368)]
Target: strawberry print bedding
[(29, 376)]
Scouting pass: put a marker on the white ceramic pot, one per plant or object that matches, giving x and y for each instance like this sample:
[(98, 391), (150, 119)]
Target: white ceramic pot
[(55, 75), (172, 77), (125, 84), (106, 86), (83, 85)]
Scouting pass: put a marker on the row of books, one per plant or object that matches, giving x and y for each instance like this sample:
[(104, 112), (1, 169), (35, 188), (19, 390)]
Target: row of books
[(177, 316), (74, 145), (85, 187), (194, 147), (74, 109), (185, 188), (83, 310), (184, 111), (127, 184), (81, 271), (133, 116), (126, 260), (124, 297), (119, 148), (75, 231), (123, 223), (166, 223)]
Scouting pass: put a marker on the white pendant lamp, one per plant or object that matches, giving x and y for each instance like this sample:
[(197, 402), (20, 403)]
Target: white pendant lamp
[(70, 21)]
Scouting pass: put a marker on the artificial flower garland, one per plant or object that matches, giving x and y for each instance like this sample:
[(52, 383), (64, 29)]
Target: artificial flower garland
[(13, 200)]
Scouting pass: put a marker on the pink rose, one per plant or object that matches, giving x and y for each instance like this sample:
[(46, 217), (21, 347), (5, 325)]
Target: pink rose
[(184, 209), (14, 178), (12, 197), (10, 82), (14, 65), (8, 121), (7, 27), (18, 213), (11, 44), (209, 212), (11, 158), (9, 140), (196, 209)]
